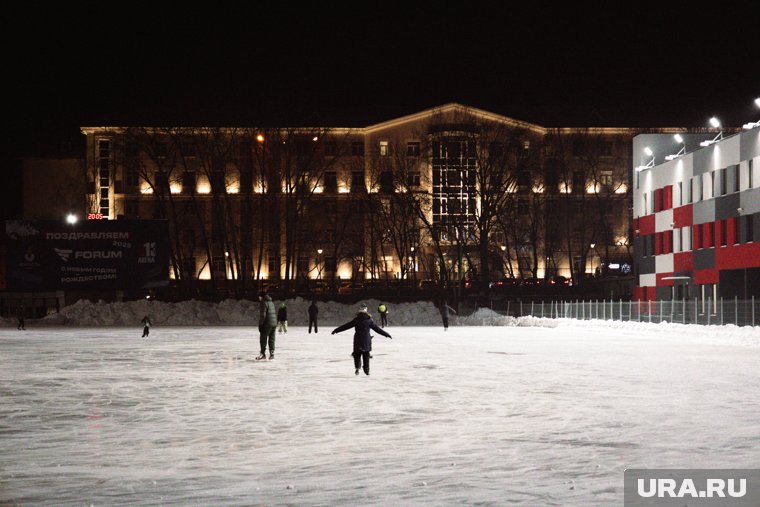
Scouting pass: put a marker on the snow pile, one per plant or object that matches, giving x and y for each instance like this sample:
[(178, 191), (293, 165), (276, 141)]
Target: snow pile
[(232, 313), (488, 317)]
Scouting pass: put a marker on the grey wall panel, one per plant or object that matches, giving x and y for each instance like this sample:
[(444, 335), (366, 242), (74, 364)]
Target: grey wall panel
[(726, 205), (704, 259), (750, 144), (750, 201), (704, 211), (646, 265)]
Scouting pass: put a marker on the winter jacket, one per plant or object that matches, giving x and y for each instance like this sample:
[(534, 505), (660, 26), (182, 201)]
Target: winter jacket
[(362, 339), (382, 309), (313, 311), (282, 314), (267, 314)]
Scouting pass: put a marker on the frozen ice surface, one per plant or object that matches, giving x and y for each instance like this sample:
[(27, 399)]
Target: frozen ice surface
[(488, 415)]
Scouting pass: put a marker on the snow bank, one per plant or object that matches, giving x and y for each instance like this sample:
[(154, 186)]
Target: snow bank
[(232, 313)]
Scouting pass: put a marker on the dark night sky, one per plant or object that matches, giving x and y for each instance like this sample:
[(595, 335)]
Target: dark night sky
[(608, 64)]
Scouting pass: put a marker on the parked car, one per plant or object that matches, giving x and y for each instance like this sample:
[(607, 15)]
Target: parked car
[(348, 287), (319, 287), (504, 283), (558, 280), (428, 285)]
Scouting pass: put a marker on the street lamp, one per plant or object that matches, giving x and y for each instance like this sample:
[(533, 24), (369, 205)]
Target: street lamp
[(593, 251), (649, 153), (319, 263), (679, 139), (71, 218), (755, 124), (714, 123)]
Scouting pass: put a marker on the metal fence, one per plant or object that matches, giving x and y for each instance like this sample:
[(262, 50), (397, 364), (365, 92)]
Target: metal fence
[(686, 311)]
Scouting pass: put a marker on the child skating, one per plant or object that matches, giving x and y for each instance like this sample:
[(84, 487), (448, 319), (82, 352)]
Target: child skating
[(362, 324), (146, 329), (282, 319)]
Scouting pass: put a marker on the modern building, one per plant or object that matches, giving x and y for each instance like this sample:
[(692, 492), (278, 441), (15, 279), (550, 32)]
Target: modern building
[(448, 193), (696, 217)]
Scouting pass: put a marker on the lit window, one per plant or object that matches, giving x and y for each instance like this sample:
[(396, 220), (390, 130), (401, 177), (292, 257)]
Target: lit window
[(384, 150)]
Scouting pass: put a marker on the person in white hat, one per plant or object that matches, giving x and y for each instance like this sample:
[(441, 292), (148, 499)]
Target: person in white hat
[(362, 323)]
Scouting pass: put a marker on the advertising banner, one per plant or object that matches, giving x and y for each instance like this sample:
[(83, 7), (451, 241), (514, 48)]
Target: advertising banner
[(94, 254)]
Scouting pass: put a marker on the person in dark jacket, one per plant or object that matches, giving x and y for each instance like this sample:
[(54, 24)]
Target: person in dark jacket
[(383, 311), (267, 326), (362, 324), (146, 326), (21, 326), (282, 319), (445, 309), (313, 312)]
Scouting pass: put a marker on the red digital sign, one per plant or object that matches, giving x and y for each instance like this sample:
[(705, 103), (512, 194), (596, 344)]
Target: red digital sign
[(95, 216)]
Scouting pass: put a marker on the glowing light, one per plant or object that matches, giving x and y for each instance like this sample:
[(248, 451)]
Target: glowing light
[(592, 188), (175, 188), (258, 188), (757, 102), (318, 189), (538, 189), (204, 188), (233, 188), (315, 138), (319, 251), (260, 138), (345, 269), (714, 122), (71, 218), (648, 151), (678, 138), (145, 188), (343, 190), (564, 188), (623, 188), (205, 273)]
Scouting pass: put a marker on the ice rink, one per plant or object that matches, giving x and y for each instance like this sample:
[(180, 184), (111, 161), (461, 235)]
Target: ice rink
[(487, 415)]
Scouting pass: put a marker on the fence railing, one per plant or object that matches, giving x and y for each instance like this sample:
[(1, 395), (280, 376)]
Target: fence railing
[(685, 311)]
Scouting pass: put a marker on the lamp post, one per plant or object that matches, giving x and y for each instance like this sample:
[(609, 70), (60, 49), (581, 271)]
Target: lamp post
[(414, 269), (679, 139), (593, 251), (71, 219), (753, 124), (714, 123), (503, 260), (319, 263)]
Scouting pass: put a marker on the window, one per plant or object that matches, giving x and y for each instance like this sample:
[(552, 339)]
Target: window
[(384, 149), (686, 238), (188, 181), (132, 208), (331, 182), (735, 175), (104, 193), (357, 148), (689, 191), (413, 179), (526, 145), (413, 149), (274, 266), (606, 178), (722, 173), (331, 266), (722, 236), (644, 210), (357, 181), (578, 181), (331, 149), (750, 185), (749, 225), (386, 182), (700, 189), (303, 265)]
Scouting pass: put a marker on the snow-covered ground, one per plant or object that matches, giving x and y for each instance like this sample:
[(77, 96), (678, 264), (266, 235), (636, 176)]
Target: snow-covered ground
[(488, 415)]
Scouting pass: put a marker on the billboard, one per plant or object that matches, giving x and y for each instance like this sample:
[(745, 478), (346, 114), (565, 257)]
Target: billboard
[(94, 254)]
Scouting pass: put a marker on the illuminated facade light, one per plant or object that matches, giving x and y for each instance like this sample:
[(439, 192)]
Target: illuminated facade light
[(204, 188), (175, 188), (260, 138), (145, 188), (623, 188), (71, 218)]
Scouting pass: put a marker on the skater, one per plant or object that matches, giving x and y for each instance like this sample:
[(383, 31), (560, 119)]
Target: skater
[(267, 326), (146, 329), (282, 319), (445, 309), (362, 323), (313, 312), (383, 311), (20, 326)]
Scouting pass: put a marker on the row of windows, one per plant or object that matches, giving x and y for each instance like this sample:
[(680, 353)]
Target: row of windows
[(725, 232), (701, 187)]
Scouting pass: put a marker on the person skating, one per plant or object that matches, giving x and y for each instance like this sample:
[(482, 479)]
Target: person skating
[(20, 326), (282, 319), (445, 309), (313, 312), (362, 323), (146, 326), (383, 311), (267, 326)]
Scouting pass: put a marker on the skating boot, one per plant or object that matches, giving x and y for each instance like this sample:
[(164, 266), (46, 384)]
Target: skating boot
[(260, 357)]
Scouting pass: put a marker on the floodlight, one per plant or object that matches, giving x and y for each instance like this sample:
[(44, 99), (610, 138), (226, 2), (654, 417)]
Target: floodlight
[(71, 218)]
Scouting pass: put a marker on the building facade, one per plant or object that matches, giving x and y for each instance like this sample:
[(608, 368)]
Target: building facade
[(450, 193), (696, 219)]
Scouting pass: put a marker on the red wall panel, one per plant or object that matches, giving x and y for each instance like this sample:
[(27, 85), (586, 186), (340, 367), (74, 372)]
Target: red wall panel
[(683, 261), (646, 225), (683, 216)]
